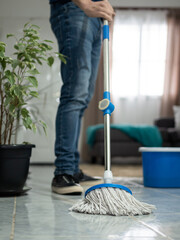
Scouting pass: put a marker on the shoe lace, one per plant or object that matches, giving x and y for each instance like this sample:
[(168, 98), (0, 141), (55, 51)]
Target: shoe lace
[(69, 177)]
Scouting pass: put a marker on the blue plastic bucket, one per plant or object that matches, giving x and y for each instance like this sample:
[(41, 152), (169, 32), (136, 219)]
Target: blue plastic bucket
[(161, 167)]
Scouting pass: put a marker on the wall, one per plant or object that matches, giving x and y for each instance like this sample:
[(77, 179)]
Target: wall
[(13, 15), (40, 8), (146, 3)]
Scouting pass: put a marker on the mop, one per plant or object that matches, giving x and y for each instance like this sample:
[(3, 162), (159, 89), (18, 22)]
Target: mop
[(109, 198)]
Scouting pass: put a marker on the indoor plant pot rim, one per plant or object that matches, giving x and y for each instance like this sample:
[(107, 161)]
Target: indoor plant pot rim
[(8, 146)]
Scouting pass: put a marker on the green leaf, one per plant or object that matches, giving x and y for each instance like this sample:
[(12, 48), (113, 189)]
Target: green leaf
[(49, 41), (9, 35), (62, 57), (27, 57), (33, 71), (32, 37), (44, 59), (34, 127), (21, 47), (30, 65), (2, 50), (1, 54), (2, 44), (27, 122), (7, 86), (24, 112), (12, 109), (3, 64), (19, 55), (50, 61), (16, 47), (15, 63), (7, 73), (17, 92), (7, 101), (44, 126), (39, 61), (10, 76), (32, 80), (46, 46), (34, 94), (35, 26), (8, 59), (25, 25), (22, 65), (11, 79), (26, 143)]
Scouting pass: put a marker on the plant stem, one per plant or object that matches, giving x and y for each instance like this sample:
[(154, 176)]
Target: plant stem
[(6, 127), (2, 106), (17, 124), (10, 131)]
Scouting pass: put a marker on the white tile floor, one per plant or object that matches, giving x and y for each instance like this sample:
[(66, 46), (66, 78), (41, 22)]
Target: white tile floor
[(43, 215)]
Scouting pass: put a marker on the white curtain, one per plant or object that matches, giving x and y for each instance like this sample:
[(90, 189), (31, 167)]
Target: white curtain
[(138, 65)]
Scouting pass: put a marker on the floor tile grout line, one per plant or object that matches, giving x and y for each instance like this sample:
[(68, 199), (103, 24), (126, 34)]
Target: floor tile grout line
[(154, 230), (170, 194), (130, 180), (154, 189), (59, 197), (13, 221)]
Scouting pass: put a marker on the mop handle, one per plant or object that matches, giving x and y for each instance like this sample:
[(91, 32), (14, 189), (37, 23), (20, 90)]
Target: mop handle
[(106, 55), (107, 147), (105, 105)]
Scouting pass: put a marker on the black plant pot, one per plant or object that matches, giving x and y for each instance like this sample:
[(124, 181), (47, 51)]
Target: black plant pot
[(14, 167)]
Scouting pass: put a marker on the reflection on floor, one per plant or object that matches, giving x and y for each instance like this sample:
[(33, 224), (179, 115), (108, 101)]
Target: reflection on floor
[(43, 215)]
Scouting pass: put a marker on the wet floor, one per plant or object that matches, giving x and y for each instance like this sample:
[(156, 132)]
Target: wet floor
[(40, 214)]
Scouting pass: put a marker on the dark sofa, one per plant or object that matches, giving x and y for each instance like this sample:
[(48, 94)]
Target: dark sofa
[(170, 135), (121, 145), (124, 146)]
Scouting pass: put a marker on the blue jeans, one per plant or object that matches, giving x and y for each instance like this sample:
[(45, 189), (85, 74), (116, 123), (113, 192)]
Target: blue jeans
[(79, 38)]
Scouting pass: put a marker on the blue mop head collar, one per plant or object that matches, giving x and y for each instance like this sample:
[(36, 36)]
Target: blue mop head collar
[(108, 185)]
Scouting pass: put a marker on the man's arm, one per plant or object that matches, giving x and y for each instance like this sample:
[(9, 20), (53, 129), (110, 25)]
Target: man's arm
[(102, 9)]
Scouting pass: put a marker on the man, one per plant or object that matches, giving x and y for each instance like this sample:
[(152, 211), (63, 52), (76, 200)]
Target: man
[(77, 27)]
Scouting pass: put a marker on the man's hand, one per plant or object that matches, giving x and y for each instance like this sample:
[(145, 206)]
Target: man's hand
[(101, 9)]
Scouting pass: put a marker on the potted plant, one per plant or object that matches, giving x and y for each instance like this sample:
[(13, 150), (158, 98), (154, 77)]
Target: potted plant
[(19, 84)]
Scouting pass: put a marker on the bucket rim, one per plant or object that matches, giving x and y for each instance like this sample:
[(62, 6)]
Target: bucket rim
[(159, 149)]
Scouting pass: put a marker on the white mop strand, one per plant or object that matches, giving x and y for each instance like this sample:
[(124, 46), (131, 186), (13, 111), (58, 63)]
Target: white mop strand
[(111, 201)]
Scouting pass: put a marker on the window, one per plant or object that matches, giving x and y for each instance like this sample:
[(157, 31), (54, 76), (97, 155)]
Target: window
[(139, 52)]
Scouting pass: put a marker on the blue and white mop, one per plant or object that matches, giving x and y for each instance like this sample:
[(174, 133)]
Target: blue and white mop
[(109, 198)]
